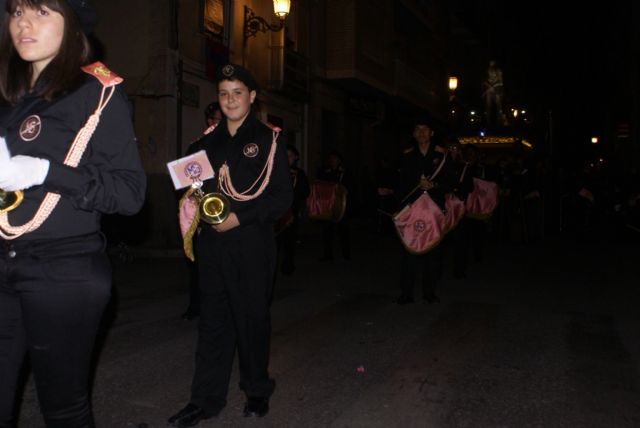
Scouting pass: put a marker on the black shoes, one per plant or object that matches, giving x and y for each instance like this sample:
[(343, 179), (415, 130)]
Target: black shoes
[(190, 416), (404, 300), (256, 406)]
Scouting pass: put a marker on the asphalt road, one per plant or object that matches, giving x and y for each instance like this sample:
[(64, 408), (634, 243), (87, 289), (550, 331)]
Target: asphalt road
[(538, 335)]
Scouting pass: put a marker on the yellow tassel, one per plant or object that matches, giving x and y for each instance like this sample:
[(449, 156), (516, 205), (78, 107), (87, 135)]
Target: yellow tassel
[(187, 239)]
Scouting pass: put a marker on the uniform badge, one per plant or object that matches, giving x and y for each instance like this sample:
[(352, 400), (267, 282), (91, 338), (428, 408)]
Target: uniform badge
[(250, 150), (228, 70), (419, 226), (30, 128)]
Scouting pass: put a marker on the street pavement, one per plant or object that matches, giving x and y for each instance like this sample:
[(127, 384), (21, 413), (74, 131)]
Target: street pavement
[(544, 334)]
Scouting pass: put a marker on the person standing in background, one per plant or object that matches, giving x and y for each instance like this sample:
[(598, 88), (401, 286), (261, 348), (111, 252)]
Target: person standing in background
[(287, 226), (418, 166), (335, 172)]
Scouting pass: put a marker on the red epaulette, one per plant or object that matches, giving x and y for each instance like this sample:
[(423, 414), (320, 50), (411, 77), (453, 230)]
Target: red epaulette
[(103, 74)]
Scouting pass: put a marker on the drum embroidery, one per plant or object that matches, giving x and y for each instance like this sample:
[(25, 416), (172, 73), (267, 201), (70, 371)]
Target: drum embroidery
[(30, 128)]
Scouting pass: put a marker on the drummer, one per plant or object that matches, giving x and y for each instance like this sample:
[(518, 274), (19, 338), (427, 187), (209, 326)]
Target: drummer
[(335, 172), (418, 165)]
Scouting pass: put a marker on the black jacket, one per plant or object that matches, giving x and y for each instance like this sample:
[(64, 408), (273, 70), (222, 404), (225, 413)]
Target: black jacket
[(413, 164), (109, 178), (245, 167)]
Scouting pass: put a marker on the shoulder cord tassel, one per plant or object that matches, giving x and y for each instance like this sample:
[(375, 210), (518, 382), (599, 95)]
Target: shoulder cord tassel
[(226, 185)]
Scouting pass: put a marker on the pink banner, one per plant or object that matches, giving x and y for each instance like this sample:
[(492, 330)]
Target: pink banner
[(483, 200), (420, 225), (455, 210)]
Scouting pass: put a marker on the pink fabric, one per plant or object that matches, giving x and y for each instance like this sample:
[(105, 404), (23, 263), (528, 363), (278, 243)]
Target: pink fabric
[(186, 213), (455, 210), (322, 197), (483, 200), (420, 225)]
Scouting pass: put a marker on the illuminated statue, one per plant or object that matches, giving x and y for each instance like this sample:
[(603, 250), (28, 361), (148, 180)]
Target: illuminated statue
[(492, 92)]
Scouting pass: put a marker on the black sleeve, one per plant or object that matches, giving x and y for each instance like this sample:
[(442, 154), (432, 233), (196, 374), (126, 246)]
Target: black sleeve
[(109, 178)]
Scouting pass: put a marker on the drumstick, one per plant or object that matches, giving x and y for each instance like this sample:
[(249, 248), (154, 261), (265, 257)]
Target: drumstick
[(410, 193), (385, 213)]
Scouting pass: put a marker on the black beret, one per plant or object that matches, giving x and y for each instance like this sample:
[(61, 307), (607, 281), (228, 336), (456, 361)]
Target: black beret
[(86, 14), (236, 72)]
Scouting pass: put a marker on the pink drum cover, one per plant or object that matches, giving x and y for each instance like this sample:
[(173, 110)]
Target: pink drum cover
[(483, 200), (420, 225), (455, 210), (326, 201)]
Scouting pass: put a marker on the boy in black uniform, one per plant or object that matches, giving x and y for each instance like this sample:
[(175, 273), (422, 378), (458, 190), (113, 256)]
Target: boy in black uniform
[(416, 165), (237, 258)]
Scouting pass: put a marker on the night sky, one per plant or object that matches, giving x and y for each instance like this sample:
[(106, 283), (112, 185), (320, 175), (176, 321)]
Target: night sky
[(571, 59)]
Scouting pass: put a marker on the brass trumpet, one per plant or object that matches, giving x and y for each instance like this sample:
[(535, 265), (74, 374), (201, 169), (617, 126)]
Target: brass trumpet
[(10, 200), (213, 207)]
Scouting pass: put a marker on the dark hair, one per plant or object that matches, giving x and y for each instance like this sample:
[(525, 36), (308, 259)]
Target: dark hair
[(62, 74)]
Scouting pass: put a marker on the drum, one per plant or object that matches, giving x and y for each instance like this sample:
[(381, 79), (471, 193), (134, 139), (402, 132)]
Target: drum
[(483, 200), (455, 211), (420, 225), (327, 201)]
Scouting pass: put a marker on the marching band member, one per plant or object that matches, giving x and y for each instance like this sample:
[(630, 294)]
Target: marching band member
[(237, 258), (71, 148), (462, 182), (287, 227), (418, 165), (335, 172)]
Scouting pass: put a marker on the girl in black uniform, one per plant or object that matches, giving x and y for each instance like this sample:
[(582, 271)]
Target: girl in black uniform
[(237, 258), (55, 278)]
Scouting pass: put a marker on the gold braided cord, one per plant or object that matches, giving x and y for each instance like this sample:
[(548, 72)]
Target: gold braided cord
[(187, 239), (50, 201)]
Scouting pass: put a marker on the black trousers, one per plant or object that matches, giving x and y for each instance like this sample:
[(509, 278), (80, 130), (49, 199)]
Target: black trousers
[(236, 271), (429, 265), (52, 297)]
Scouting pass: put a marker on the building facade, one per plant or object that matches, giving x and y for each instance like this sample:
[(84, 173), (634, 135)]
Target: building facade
[(345, 75)]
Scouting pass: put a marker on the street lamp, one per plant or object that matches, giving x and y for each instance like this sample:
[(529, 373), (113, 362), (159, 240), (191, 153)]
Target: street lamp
[(453, 83), (594, 140), (254, 23)]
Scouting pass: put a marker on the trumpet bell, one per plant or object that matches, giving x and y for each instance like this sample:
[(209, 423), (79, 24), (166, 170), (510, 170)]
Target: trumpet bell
[(10, 200), (214, 208)]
